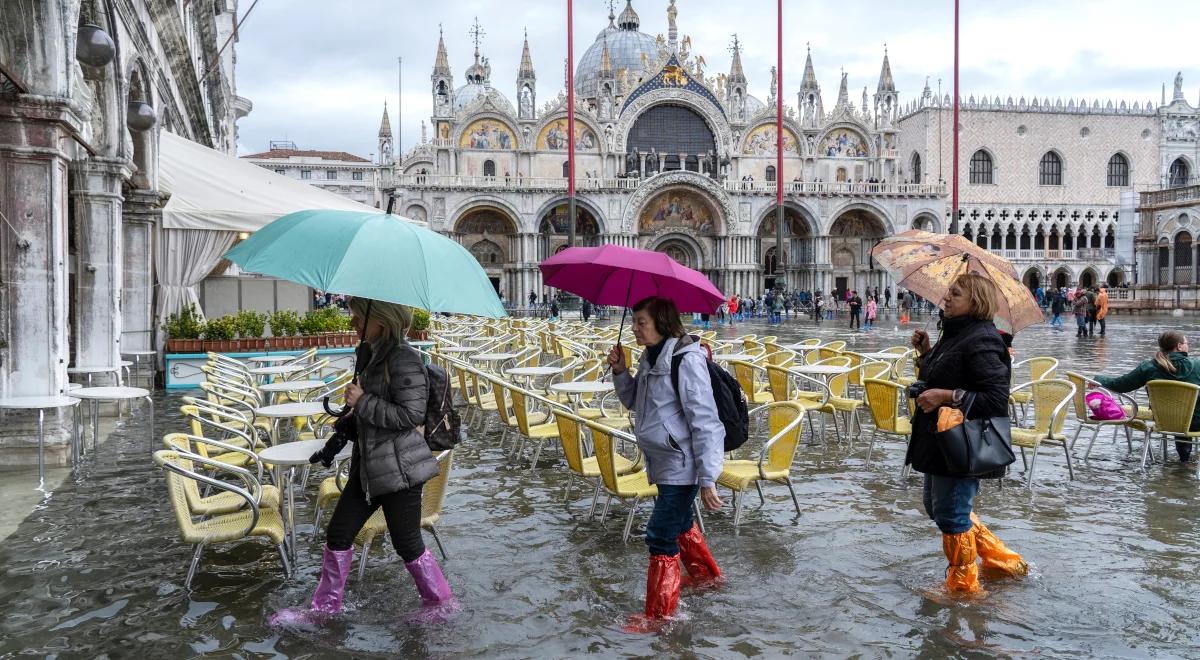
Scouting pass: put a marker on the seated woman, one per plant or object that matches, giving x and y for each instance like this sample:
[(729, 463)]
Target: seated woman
[(1170, 363)]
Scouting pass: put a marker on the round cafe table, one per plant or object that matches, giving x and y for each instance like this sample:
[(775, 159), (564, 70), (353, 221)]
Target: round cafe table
[(285, 458), (265, 373), (289, 386), (576, 390), (287, 411), (741, 357), (457, 349), (882, 356), (493, 357), (138, 357), (41, 404), (529, 373), (801, 348), (95, 395), (819, 369)]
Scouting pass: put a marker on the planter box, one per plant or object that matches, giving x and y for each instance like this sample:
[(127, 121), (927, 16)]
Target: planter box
[(184, 345), (418, 335)]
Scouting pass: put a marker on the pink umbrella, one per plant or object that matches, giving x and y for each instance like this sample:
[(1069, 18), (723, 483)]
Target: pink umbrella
[(614, 275)]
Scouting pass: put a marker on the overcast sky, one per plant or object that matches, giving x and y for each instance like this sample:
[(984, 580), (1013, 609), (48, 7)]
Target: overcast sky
[(318, 72)]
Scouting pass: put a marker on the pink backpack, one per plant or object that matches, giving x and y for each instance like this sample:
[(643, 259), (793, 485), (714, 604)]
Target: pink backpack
[(1102, 407)]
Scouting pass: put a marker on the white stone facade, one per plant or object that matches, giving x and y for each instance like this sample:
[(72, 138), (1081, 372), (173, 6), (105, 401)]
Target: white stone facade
[(79, 180), (341, 173)]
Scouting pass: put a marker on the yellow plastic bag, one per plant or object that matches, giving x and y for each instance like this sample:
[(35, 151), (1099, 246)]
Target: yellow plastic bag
[(948, 418)]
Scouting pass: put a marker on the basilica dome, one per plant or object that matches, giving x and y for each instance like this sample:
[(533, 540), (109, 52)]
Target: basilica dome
[(468, 93), (626, 47)]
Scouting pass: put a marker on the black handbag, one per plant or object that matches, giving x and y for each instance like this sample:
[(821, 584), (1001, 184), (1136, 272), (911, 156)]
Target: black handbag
[(977, 447)]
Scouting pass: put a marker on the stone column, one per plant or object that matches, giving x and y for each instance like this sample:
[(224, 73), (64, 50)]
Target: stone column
[(141, 218), (99, 269)]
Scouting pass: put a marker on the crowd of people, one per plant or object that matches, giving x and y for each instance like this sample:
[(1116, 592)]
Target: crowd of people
[(1088, 305)]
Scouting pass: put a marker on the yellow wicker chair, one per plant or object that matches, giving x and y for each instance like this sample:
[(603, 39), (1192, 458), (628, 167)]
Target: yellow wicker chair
[(223, 502), (752, 379), (902, 365), (433, 496), (635, 485), (1139, 417), (580, 466), (531, 430), (330, 490), (883, 400), (1173, 403), (251, 521), (1050, 400), (839, 401), (785, 423), (1040, 368), (838, 345)]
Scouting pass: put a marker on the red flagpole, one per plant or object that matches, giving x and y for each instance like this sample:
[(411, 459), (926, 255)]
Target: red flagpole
[(954, 132), (570, 124), (780, 250)]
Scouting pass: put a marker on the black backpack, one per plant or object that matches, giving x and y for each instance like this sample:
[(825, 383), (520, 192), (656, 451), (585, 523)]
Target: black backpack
[(443, 428), (731, 401)]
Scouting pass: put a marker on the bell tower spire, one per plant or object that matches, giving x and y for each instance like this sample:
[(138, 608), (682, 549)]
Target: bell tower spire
[(385, 137), (442, 81), (735, 85), (526, 84)]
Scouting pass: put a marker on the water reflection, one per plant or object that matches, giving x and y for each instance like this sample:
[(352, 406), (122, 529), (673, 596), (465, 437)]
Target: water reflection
[(98, 569)]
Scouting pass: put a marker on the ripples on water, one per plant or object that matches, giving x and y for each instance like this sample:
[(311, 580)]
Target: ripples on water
[(97, 568)]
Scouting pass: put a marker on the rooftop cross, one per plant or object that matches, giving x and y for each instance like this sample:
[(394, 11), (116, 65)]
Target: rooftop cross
[(477, 34)]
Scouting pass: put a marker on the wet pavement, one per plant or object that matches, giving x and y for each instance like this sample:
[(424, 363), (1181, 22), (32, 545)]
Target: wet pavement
[(97, 568)]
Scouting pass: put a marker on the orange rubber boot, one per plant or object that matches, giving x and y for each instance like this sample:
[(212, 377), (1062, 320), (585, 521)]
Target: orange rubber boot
[(962, 577), (994, 554), (662, 594), (695, 557)]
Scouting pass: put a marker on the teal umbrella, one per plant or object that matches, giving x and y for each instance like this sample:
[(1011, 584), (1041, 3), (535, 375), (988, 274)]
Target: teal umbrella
[(371, 255)]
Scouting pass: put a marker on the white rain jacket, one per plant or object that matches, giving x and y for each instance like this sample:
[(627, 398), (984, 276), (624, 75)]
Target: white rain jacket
[(681, 436)]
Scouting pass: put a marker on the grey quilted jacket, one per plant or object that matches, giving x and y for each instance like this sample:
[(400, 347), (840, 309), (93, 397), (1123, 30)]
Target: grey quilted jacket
[(391, 454)]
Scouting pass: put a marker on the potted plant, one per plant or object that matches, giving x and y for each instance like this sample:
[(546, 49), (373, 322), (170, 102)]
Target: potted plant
[(250, 328), (420, 325), (218, 334), (183, 331)]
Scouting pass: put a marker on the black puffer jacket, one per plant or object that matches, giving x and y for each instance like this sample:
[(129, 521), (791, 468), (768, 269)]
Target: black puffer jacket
[(971, 356), (391, 418)]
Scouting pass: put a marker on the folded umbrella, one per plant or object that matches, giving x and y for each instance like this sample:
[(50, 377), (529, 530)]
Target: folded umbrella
[(927, 264)]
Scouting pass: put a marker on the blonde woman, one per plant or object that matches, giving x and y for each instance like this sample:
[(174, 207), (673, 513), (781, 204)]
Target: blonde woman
[(390, 464), (1170, 363), (969, 360)]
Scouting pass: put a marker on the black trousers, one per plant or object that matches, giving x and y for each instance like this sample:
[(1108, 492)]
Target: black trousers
[(402, 510), (855, 320)]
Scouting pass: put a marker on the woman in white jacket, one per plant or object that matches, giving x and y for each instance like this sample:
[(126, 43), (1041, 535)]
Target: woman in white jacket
[(682, 438)]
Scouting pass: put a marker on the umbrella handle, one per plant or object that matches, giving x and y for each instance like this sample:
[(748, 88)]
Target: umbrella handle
[(331, 411)]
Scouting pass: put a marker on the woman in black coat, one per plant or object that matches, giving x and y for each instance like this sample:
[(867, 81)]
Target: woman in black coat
[(970, 358)]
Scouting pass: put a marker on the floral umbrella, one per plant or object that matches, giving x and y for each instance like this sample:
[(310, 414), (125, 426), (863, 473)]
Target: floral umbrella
[(927, 263)]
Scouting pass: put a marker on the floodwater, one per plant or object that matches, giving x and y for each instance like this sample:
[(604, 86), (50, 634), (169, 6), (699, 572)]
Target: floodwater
[(96, 570)]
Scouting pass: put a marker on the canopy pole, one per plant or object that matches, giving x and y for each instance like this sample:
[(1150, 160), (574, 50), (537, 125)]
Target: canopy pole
[(954, 134), (570, 125), (780, 251)]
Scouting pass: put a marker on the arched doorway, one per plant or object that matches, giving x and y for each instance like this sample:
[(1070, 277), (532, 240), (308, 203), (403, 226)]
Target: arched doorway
[(1116, 277), (487, 232), (1032, 279), (1087, 279), (851, 238), (552, 229), (1179, 173), (1062, 278), (669, 131), (1183, 258), (926, 222), (798, 237), (681, 251)]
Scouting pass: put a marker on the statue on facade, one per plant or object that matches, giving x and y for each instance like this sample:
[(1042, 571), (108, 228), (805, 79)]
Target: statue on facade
[(1178, 86), (526, 103), (652, 162)]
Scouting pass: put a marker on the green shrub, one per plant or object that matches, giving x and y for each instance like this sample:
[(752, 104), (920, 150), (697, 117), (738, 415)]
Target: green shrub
[(250, 324), (420, 320), (184, 325), (220, 329), (284, 323)]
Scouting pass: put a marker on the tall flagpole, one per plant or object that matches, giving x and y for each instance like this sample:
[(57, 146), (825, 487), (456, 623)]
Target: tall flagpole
[(954, 133), (570, 125), (780, 250), (400, 109)]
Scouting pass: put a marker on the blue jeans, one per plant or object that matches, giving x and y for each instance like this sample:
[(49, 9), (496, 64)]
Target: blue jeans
[(948, 501), (671, 517)]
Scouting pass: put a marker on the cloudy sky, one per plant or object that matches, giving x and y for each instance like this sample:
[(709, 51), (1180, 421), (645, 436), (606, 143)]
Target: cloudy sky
[(318, 72)]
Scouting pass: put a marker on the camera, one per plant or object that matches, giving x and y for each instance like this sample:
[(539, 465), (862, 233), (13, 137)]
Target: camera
[(914, 390)]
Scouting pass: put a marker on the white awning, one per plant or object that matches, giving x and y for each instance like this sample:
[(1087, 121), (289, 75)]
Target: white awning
[(211, 190)]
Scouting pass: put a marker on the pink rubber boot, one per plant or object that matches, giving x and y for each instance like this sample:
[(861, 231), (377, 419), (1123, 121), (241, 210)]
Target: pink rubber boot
[(437, 603), (327, 599)]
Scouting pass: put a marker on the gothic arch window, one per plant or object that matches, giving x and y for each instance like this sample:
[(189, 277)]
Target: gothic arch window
[(1183, 258), (1010, 239), (916, 167), (1110, 239), (1025, 238), (671, 130), (1118, 171), (489, 168), (1050, 170), (566, 169), (1179, 173), (1039, 239), (982, 168), (770, 260), (770, 176)]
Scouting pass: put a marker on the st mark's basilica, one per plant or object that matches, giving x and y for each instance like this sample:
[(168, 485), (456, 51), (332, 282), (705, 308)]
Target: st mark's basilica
[(674, 157)]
